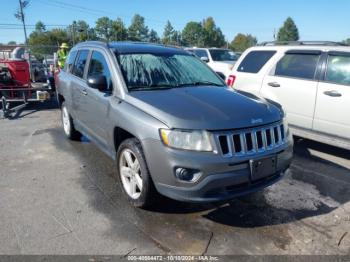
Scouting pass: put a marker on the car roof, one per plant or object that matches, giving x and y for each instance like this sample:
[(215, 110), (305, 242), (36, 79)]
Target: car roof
[(135, 47), (284, 48)]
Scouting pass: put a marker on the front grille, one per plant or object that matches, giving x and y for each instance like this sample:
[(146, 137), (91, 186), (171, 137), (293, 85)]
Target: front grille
[(251, 141)]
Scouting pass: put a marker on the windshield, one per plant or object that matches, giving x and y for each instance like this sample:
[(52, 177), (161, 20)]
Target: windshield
[(223, 55), (158, 71)]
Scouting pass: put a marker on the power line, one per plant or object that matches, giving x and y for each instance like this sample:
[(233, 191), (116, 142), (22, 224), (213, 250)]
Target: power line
[(32, 25), (66, 6), (78, 8)]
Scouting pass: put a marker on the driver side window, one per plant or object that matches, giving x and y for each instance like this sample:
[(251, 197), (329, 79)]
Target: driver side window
[(99, 66)]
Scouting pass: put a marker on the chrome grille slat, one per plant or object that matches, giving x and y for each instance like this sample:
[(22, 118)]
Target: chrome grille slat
[(243, 143), (279, 134), (230, 144), (255, 141), (273, 140), (237, 143), (264, 138)]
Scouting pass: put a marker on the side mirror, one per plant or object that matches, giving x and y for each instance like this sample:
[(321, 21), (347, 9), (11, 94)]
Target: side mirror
[(205, 59), (98, 82)]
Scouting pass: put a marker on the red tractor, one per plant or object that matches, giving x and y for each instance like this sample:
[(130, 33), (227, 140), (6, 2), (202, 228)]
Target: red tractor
[(16, 86)]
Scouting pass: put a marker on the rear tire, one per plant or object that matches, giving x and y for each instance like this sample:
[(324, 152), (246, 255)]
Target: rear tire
[(68, 124), (135, 179)]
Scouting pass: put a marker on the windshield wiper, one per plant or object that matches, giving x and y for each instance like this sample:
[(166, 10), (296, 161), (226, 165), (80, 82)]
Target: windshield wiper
[(151, 87), (200, 83), (168, 86)]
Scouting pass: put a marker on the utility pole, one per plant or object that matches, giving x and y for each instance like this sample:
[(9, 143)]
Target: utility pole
[(20, 15), (73, 32)]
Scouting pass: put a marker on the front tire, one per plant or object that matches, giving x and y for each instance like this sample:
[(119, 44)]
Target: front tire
[(68, 125), (134, 176)]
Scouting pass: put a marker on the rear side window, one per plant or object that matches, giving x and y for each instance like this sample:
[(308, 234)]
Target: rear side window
[(298, 66), (255, 60), (70, 61), (338, 69), (80, 62)]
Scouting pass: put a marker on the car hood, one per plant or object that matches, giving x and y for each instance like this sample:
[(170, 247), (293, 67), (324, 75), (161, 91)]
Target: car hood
[(209, 108)]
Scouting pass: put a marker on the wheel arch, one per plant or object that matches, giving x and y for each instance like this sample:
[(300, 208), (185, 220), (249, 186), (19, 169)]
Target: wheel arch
[(60, 99), (120, 135)]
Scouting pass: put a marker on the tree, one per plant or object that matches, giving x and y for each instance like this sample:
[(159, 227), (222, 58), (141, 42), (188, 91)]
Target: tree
[(44, 43), (119, 31), (168, 34), (212, 35), (289, 31), (192, 34), (12, 43), (80, 31), (83, 31), (103, 28), (40, 27), (138, 31), (241, 42), (153, 37), (177, 38), (347, 41)]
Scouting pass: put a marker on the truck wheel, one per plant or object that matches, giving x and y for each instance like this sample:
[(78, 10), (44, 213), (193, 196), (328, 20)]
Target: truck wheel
[(134, 176), (68, 125)]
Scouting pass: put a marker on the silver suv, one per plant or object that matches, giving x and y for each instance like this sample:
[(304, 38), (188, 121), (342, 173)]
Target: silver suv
[(171, 123)]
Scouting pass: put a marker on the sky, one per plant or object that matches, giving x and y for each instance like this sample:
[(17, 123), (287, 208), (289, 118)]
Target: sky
[(316, 19)]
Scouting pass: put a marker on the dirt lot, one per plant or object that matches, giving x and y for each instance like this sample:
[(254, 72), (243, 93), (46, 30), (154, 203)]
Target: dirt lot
[(61, 197)]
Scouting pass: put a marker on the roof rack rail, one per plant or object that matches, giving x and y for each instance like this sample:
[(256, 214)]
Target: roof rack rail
[(100, 43), (324, 43)]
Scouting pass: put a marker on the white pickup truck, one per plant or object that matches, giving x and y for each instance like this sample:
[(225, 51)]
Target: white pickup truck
[(219, 59)]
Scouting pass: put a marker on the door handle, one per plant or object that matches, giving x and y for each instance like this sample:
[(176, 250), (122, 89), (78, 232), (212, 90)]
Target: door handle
[(333, 93), (84, 92), (274, 84)]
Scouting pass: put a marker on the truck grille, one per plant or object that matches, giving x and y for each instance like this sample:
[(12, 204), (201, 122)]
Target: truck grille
[(251, 141)]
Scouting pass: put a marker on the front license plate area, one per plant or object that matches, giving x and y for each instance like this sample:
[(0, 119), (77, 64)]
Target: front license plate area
[(262, 168)]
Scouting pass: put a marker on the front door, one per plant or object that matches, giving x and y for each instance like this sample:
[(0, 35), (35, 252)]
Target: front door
[(293, 84), (333, 97), (96, 112)]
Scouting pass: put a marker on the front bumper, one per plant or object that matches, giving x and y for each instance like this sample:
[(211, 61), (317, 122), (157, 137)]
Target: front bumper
[(221, 178)]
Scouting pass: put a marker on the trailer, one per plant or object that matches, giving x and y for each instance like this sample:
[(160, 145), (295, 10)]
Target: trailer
[(16, 88)]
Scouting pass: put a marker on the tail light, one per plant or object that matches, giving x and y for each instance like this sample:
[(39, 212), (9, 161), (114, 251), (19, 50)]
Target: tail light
[(231, 80)]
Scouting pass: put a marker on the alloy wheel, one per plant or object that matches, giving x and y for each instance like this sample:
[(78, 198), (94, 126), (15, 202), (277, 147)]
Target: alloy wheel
[(130, 173)]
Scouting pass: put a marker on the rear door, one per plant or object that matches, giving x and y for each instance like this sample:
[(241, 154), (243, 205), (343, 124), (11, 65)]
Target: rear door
[(79, 86), (333, 97), (64, 81), (293, 83)]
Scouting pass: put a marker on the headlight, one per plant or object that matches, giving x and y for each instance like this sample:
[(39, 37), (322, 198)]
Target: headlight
[(188, 140)]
